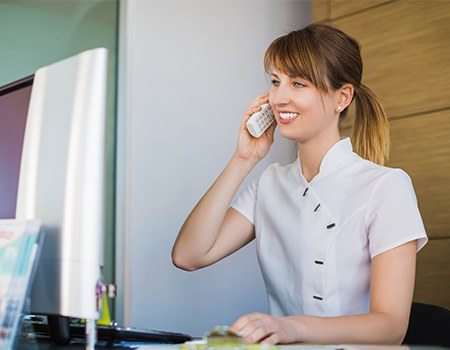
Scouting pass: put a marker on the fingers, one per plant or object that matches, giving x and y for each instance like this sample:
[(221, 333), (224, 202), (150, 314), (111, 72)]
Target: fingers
[(262, 329), (272, 339), (255, 327), (263, 96), (252, 110), (271, 131), (255, 105), (242, 321), (260, 101), (249, 113)]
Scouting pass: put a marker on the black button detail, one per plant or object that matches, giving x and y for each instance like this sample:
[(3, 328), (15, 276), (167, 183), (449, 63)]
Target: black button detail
[(318, 205), (304, 193), (331, 225), (318, 262), (316, 297)]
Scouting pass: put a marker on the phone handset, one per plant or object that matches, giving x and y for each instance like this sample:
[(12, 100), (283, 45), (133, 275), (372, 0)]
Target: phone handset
[(260, 121)]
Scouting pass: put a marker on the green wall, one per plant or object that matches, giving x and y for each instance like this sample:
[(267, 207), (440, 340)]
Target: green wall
[(35, 33)]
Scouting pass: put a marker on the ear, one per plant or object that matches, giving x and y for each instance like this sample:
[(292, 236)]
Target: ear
[(345, 95)]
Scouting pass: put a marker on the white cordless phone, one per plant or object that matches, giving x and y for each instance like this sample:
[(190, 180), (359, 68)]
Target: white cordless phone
[(260, 121)]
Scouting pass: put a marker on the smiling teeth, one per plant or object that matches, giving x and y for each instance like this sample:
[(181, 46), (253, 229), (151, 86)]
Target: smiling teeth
[(288, 115)]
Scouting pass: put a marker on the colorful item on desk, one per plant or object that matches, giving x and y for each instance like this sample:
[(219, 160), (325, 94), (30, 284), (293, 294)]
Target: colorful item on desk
[(19, 244), (222, 338), (105, 319), (202, 345), (194, 345), (103, 292)]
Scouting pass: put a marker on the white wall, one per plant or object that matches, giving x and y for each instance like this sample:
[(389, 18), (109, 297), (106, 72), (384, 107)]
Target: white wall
[(188, 71)]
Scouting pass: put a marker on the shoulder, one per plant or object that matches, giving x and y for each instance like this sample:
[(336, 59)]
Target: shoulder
[(379, 174), (386, 185), (277, 171)]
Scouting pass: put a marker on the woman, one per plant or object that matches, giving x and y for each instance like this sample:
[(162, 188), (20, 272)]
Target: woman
[(336, 231)]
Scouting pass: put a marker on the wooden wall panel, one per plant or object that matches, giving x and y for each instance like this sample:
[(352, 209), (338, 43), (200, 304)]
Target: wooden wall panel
[(406, 53), (345, 7), (421, 146), (406, 63), (433, 273), (320, 10)]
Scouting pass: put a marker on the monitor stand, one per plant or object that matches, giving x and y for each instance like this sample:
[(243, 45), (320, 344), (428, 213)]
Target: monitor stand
[(59, 329)]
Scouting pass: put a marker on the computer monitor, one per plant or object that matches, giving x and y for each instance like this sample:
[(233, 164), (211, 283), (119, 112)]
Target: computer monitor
[(52, 160), (52, 137), (14, 101)]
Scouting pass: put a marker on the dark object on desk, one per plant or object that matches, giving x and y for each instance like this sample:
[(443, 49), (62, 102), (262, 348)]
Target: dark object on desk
[(116, 333), (428, 325), (59, 329)]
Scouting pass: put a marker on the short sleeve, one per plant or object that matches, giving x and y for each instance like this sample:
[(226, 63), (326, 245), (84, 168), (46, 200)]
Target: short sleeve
[(393, 216), (245, 201)]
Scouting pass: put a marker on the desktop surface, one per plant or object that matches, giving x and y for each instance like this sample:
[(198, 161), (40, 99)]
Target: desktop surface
[(44, 343)]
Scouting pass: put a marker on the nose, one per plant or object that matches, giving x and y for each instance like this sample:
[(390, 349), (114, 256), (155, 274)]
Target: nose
[(279, 96)]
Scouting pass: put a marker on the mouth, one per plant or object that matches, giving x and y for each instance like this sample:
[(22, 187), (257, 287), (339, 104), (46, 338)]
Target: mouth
[(289, 115), (285, 116)]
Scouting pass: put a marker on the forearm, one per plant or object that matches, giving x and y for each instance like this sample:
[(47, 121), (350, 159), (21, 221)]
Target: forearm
[(201, 228), (371, 328)]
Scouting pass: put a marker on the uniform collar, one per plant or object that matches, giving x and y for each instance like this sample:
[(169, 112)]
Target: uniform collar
[(339, 155)]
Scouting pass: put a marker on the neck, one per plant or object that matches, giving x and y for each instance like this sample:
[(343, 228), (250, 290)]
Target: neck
[(313, 151)]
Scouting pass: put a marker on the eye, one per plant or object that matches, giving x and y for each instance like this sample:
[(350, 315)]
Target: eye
[(298, 84), (275, 82)]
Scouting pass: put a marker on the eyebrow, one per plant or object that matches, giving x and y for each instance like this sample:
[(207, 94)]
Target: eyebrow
[(276, 76)]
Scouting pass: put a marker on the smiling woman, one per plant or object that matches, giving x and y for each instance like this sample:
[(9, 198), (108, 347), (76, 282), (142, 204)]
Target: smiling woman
[(336, 231)]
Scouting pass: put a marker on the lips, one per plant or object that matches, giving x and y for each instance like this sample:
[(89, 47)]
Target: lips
[(287, 117)]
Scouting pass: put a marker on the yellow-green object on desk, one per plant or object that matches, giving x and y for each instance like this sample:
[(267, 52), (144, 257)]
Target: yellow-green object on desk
[(194, 345), (201, 345), (222, 338), (261, 347)]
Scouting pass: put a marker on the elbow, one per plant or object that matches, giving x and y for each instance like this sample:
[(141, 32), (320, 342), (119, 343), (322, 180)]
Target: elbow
[(401, 334), (181, 263), (402, 329), (398, 328), (397, 338)]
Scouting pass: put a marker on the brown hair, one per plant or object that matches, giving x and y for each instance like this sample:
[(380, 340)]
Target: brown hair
[(329, 58)]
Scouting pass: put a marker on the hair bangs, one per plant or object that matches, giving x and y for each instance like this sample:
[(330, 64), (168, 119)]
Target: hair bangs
[(294, 56)]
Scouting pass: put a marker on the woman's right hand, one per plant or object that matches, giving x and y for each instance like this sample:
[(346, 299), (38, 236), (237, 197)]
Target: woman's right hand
[(250, 148)]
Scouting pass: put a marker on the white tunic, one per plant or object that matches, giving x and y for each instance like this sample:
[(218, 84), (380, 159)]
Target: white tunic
[(315, 240)]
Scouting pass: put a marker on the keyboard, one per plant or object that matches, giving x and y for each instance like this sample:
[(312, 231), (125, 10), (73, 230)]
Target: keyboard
[(117, 333)]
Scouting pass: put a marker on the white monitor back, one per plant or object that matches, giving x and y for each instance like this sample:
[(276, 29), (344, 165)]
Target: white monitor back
[(62, 182)]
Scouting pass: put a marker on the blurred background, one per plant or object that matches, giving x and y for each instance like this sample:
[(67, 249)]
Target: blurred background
[(181, 75)]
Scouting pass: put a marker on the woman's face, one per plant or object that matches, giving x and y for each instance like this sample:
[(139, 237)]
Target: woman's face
[(298, 108)]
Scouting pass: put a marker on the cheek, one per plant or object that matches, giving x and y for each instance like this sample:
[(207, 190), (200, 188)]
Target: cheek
[(317, 108), (314, 113), (306, 100), (271, 96)]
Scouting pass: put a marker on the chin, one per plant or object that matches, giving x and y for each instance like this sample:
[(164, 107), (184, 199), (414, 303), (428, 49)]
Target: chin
[(292, 134)]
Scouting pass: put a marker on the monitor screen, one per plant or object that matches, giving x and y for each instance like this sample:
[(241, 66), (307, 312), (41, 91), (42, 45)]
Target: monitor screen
[(14, 102)]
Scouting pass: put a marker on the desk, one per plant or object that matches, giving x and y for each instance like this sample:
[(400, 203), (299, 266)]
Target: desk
[(44, 343)]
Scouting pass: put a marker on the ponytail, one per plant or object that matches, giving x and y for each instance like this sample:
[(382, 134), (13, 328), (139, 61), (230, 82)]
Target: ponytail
[(371, 128)]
